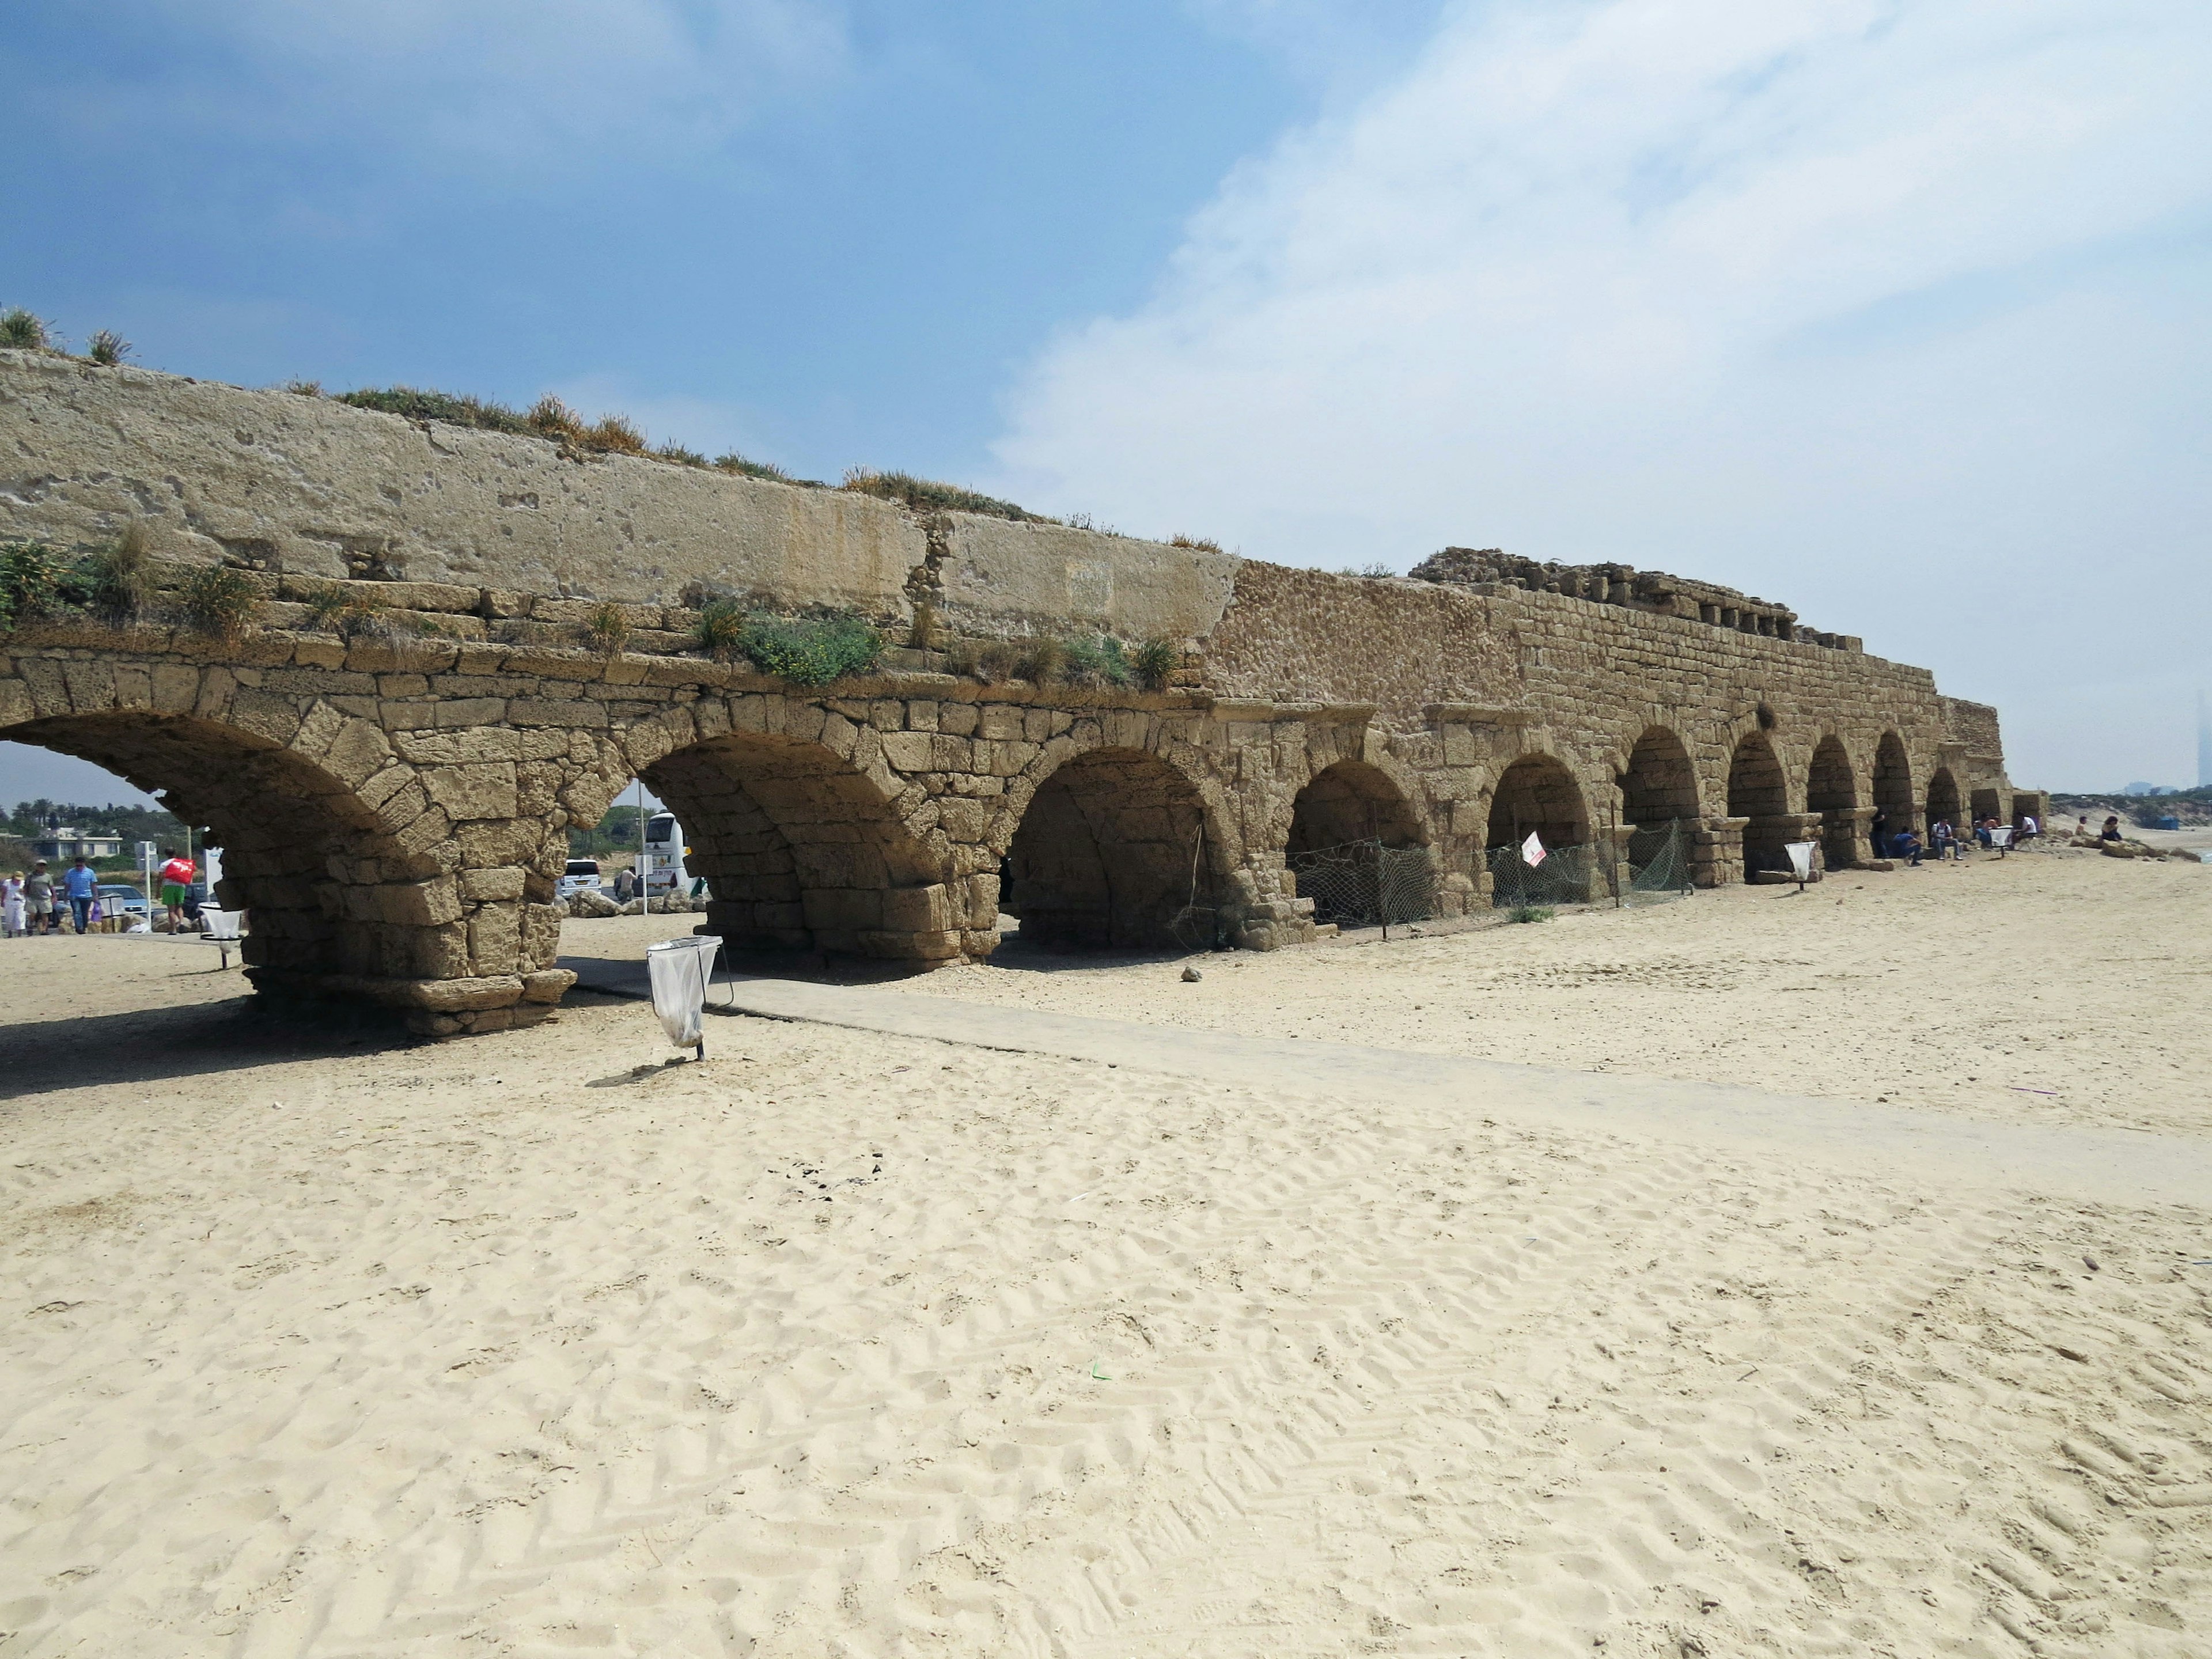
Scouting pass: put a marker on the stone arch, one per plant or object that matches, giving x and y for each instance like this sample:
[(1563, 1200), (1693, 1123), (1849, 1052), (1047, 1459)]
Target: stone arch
[(1892, 784), (1110, 848), (1759, 791), (1830, 786), (1660, 784), (331, 893), (800, 849), (1538, 793), (1353, 800), (1942, 799), (1831, 790)]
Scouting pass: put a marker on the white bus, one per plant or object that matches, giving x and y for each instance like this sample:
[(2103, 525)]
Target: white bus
[(663, 868)]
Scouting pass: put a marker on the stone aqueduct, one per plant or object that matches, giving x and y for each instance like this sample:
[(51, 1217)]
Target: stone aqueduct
[(393, 811)]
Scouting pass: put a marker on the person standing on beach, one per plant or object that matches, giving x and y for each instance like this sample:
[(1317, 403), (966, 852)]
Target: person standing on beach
[(38, 898), (11, 906), (1878, 832), (176, 879), (82, 887)]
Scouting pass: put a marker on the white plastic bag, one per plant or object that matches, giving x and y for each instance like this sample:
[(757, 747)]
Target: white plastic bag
[(1801, 858), (679, 969)]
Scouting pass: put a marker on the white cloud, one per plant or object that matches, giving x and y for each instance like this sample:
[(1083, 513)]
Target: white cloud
[(1892, 312)]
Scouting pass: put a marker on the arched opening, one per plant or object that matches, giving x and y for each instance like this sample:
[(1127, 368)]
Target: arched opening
[(1893, 792), (1758, 791), (1832, 792), (1829, 786), (1343, 825), (1537, 794), (1660, 785), (1942, 799), (799, 850), (1351, 801), (1112, 853), (328, 890)]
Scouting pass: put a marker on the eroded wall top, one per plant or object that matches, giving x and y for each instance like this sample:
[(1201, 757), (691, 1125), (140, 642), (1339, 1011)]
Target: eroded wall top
[(305, 486)]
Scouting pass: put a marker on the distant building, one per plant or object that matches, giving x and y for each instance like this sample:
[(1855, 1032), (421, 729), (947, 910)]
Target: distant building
[(60, 846)]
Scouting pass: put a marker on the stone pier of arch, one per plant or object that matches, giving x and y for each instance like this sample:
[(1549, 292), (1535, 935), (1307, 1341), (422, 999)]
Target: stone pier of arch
[(394, 810)]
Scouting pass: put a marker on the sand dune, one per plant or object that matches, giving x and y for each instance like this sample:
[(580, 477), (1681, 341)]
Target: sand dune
[(845, 1343)]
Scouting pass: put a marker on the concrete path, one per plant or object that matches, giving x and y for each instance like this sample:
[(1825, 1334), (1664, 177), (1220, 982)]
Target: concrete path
[(2102, 1165)]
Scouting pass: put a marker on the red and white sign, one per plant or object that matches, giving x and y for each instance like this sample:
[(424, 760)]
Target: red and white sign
[(1532, 850)]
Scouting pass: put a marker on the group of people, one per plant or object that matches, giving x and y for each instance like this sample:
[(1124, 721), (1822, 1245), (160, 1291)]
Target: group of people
[(34, 903), (1943, 838)]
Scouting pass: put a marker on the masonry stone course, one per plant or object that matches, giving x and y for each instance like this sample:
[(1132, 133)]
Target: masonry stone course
[(394, 810)]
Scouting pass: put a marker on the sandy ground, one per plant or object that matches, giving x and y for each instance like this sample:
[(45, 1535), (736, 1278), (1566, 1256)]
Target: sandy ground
[(844, 1343), (2059, 987)]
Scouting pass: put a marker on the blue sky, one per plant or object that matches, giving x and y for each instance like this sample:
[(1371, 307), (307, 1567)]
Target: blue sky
[(1896, 313)]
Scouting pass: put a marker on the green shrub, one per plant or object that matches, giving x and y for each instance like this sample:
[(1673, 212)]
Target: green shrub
[(106, 348), (607, 627), (32, 575), (1096, 660), (418, 404), (733, 462), (221, 601), (810, 651), (351, 613), (1530, 912), (115, 582), (24, 330), (1153, 662), (927, 495), (1202, 543), (722, 626), (612, 435), (922, 635), (672, 451)]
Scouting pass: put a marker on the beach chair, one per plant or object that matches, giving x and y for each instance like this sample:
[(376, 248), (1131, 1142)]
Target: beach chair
[(220, 929)]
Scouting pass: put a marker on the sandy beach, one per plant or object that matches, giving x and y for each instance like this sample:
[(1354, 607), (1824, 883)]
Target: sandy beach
[(854, 1343)]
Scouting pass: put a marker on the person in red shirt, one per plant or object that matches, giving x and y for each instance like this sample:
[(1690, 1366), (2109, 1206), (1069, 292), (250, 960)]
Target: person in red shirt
[(176, 877)]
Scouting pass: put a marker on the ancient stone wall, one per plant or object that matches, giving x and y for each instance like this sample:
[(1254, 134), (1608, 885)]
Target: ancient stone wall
[(394, 809)]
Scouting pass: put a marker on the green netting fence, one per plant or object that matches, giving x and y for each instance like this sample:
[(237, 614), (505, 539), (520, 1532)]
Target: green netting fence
[(1658, 865), (1364, 884), (1658, 869)]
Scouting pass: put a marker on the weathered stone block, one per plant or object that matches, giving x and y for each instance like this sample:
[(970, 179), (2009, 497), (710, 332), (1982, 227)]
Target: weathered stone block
[(501, 881), (473, 792)]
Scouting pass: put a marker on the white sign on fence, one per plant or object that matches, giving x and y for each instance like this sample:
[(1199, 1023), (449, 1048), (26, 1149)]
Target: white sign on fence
[(1532, 850)]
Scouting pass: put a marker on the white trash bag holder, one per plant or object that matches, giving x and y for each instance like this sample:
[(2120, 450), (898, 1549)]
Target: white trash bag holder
[(220, 929), (1801, 861), (680, 970)]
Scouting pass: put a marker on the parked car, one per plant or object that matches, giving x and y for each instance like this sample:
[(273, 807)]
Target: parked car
[(580, 874), (119, 901)]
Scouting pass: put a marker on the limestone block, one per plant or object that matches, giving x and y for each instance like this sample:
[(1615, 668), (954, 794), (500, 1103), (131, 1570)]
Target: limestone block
[(457, 995), (547, 984), (909, 946), (560, 711), (592, 903), (979, 942), (982, 909), (908, 751), (470, 745), (420, 903), (471, 711), (431, 829), (495, 937), (502, 881), (922, 909), (960, 718), (473, 792), (843, 908), (922, 715), (999, 719)]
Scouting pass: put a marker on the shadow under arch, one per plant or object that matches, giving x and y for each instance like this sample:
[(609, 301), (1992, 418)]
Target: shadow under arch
[(1892, 787), (1759, 791), (799, 850), (1113, 851), (1832, 790), (1660, 785), (1537, 794), (1942, 799), (327, 889), (1353, 800)]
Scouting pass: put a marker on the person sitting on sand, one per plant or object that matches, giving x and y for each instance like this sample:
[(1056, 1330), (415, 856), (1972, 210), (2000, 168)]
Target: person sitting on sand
[(2028, 829), (2111, 830)]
